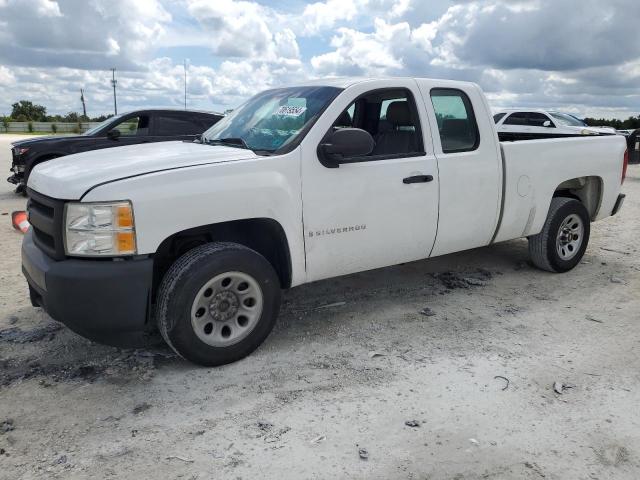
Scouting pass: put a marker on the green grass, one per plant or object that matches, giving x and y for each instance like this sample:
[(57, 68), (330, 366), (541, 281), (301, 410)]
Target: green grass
[(37, 133)]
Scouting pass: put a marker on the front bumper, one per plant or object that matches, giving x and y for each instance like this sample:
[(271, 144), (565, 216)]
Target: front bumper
[(102, 300), (18, 172), (15, 179)]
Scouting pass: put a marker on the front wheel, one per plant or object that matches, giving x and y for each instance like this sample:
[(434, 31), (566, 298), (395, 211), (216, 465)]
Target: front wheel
[(217, 303), (560, 245)]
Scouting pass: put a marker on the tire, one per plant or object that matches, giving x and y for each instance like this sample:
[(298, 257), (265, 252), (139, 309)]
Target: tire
[(192, 294), (556, 248)]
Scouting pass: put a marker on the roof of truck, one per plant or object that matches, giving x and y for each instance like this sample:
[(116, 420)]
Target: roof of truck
[(344, 82)]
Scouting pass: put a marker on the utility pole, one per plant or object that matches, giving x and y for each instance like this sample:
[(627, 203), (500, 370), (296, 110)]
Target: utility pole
[(114, 82), (84, 106), (185, 83)]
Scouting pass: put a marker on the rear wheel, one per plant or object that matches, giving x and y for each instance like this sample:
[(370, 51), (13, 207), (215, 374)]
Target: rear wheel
[(561, 244), (217, 303)]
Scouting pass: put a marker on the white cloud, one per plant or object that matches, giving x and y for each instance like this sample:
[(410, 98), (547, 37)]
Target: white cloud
[(80, 33), (6, 76), (358, 53), (527, 52), (243, 29), (47, 8), (321, 16)]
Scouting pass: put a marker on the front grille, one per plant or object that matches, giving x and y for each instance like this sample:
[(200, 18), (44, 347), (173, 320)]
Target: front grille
[(46, 218)]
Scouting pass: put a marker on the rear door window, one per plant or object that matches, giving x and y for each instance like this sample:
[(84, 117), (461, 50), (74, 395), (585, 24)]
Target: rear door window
[(537, 119), (456, 121), (171, 125), (517, 118)]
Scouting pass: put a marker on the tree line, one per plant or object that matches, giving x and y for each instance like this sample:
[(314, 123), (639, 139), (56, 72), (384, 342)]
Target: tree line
[(26, 111), (631, 123)]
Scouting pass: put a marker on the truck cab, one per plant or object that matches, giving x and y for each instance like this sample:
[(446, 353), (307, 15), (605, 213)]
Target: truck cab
[(299, 184)]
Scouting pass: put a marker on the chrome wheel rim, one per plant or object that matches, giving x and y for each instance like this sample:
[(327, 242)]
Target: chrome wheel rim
[(570, 237), (226, 309)]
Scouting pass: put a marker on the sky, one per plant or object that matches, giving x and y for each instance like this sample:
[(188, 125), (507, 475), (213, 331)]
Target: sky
[(579, 56)]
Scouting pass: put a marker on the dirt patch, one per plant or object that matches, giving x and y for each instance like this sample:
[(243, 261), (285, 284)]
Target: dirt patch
[(351, 360), (454, 280), (17, 335)]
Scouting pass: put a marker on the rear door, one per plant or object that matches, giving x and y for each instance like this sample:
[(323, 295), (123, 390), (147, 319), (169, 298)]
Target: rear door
[(469, 165), (377, 210)]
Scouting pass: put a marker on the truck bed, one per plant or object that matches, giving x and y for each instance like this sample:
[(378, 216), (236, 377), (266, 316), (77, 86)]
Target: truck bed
[(533, 170), (521, 136)]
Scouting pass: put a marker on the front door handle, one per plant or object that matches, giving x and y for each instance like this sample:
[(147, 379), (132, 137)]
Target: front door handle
[(417, 179)]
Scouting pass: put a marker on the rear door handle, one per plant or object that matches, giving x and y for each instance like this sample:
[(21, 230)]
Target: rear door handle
[(417, 179)]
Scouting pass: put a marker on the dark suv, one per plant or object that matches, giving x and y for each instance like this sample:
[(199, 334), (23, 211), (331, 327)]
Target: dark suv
[(141, 126)]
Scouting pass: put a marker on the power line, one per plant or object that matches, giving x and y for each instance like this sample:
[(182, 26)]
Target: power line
[(84, 106), (185, 84), (114, 82)]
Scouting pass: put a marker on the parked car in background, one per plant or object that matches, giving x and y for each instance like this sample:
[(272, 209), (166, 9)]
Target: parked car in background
[(521, 124), (633, 145), (626, 133), (140, 126), (297, 185)]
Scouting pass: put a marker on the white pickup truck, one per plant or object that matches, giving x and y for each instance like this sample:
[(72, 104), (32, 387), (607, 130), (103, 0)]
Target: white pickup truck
[(298, 184)]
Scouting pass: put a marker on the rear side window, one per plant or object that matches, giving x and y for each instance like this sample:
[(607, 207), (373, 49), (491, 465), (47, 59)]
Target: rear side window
[(518, 118), (456, 120), (168, 125), (538, 119), (498, 116), (207, 121)]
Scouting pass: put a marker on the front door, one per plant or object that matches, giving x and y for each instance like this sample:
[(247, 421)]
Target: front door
[(377, 210)]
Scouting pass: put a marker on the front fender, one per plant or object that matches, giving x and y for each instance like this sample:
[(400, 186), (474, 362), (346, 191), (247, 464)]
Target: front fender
[(172, 201)]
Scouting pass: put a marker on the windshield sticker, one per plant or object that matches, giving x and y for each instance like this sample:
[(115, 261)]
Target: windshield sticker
[(290, 111)]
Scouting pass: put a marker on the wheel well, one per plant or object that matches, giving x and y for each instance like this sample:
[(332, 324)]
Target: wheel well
[(264, 235), (587, 190)]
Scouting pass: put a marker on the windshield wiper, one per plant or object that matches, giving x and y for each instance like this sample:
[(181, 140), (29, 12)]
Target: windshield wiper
[(229, 141)]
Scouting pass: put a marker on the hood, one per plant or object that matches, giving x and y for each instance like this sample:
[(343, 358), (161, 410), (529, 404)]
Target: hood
[(69, 177), (51, 138)]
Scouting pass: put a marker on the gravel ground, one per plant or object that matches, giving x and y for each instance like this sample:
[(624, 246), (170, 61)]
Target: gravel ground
[(350, 362)]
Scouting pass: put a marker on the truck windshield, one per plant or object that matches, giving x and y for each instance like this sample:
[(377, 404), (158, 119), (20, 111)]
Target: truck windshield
[(567, 120), (100, 126), (272, 120)]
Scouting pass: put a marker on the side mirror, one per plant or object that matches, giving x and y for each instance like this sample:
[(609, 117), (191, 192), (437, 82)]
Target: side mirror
[(547, 124), (343, 144), (113, 134)]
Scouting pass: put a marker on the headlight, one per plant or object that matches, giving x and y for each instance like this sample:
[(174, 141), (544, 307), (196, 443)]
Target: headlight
[(99, 229), (17, 151), (584, 131)]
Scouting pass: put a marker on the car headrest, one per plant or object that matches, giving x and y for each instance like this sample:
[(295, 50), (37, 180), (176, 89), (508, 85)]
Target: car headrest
[(398, 114), (456, 127)]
